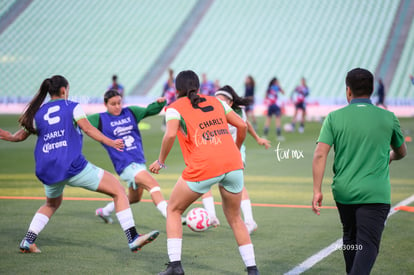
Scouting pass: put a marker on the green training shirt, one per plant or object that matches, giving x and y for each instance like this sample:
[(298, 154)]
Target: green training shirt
[(139, 112), (361, 135)]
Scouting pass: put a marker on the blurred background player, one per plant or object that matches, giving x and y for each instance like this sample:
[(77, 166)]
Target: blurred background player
[(273, 103), (299, 99), (228, 95), (169, 92), (249, 89), (60, 162), (116, 86), (207, 87), (412, 79), (120, 122), (381, 94)]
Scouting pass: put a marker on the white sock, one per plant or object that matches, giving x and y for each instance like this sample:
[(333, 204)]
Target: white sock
[(246, 208), (208, 204), (108, 209), (125, 218), (247, 254), (39, 222), (174, 249), (162, 207)]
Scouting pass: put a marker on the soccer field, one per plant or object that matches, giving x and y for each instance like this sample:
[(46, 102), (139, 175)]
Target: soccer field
[(280, 188)]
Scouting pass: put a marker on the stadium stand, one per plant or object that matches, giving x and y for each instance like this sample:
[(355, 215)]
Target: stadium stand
[(91, 40), (87, 42)]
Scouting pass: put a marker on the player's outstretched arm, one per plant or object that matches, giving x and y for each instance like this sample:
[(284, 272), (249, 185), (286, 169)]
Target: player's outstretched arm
[(16, 137), (318, 169), (259, 140), (167, 143), (95, 134)]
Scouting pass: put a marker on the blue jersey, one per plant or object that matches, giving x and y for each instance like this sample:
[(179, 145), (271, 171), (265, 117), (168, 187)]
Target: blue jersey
[(58, 151), (123, 126)]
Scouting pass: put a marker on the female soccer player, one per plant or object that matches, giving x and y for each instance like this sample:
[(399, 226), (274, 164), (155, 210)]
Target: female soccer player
[(211, 156), (273, 107), (228, 95), (299, 98), (59, 159), (122, 123)]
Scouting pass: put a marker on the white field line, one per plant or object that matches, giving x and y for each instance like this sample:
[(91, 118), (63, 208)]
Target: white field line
[(315, 258)]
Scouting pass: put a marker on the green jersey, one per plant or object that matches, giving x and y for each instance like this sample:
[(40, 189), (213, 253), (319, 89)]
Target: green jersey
[(361, 135)]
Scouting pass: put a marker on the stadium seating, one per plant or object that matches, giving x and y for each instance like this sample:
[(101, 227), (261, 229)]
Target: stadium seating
[(402, 90), (88, 41), (289, 39)]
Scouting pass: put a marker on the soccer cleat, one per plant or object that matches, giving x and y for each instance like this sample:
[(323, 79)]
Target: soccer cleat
[(251, 226), (142, 240), (26, 247), (252, 270), (280, 138), (301, 129), (99, 213), (214, 221), (174, 268)]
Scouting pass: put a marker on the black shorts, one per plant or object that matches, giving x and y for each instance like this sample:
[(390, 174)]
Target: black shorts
[(301, 105)]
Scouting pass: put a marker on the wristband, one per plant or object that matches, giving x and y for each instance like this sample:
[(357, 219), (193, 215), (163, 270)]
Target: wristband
[(162, 165)]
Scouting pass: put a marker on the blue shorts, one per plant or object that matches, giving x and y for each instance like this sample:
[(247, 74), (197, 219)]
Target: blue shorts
[(249, 108), (301, 105), (274, 110), (89, 178), (130, 172), (232, 181)]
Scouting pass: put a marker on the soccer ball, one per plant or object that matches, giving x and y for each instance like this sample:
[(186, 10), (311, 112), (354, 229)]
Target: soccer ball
[(198, 220), (288, 128)]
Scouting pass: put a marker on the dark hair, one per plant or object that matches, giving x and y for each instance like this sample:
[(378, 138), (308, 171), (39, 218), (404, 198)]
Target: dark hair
[(50, 85), (237, 100), (360, 81), (252, 82), (114, 77), (110, 94), (272, 81), (187, 84)]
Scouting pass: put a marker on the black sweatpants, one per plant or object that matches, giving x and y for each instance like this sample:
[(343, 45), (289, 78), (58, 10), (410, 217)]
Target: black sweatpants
[(362, 226)]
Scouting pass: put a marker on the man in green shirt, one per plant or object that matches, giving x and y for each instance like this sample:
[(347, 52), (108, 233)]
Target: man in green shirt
[(365, 139)]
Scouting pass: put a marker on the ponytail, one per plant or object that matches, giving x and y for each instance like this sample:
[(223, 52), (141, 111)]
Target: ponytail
[(238, 101), (49, 85)]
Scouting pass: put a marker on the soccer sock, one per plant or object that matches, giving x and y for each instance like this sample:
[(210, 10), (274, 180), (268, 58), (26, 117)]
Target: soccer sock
[(174, 249), (208, 204), (247, 254), (302, 125), (127, 223), (162, 207), (108, 209), (293, 125), (39, 222), (278, 131), (266, 131), (246, 208)]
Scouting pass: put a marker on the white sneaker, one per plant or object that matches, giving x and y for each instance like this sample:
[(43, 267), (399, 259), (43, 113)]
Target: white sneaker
[(106, 219), (301, 130), (214, 221), (251, 226)]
